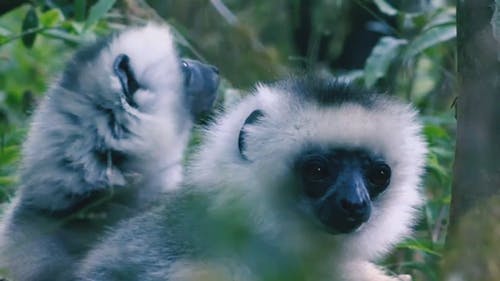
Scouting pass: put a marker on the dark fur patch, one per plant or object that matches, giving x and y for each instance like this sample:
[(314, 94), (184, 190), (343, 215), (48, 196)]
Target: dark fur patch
[(326, 91), (86, 54)]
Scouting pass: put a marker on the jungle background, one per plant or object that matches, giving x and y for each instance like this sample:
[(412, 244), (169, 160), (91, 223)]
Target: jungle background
[(404, 48)]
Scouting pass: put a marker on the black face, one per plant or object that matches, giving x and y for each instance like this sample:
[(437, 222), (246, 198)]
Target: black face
[(200, 83), (341, 185)]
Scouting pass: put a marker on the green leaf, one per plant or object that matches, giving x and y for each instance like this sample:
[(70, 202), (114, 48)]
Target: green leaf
[(7, 180), (421, 245), (386, 50), (435, 167), (51, 18), (441, 152), (9, 154), (72, 27), (417, 21), (385, 7), (30, 22), (98, 10), (79, 8), (442, 16), (430, 38), (3, 39), (431, 130), (66, 36)]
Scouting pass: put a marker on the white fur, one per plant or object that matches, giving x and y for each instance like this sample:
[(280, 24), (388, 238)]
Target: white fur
[(59, 165), (389, 129), (190, 236)]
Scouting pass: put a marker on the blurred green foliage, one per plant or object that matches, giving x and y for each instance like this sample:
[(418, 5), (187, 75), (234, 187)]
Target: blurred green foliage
[(413, 57)]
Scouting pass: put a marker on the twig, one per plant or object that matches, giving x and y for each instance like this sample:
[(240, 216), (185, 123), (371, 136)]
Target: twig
[(24, 33), (224, 12)]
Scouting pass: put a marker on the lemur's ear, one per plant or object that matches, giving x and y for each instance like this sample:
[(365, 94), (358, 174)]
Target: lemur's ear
[(251, 119), (126, 76)]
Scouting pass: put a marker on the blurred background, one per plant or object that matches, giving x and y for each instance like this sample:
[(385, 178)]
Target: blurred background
[(405, 48)]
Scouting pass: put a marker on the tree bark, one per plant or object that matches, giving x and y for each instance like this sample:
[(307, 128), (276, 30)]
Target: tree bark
[(477, 162)]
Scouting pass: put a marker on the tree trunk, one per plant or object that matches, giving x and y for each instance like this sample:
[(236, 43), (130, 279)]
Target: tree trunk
[(476, 184)]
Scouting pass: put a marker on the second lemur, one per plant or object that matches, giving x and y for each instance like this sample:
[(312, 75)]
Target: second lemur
[(105, 142)]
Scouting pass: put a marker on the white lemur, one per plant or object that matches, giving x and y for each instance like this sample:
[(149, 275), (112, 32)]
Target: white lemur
[(106, 140), (307, 179)]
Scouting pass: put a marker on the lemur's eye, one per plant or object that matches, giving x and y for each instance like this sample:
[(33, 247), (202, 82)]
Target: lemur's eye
[(379, 175), (315, 169), (316, 175), (186, 70)]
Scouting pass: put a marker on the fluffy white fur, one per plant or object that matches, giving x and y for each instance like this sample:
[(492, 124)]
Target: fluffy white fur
[(389, 129), (177, 241), (68, 155)]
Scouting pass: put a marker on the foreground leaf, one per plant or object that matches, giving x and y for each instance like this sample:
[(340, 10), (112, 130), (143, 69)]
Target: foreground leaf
[(98, 10), (51, 18), (30, 22)]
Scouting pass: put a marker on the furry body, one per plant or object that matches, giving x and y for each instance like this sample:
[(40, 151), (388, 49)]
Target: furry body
[(242, 214), (107, 139)]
